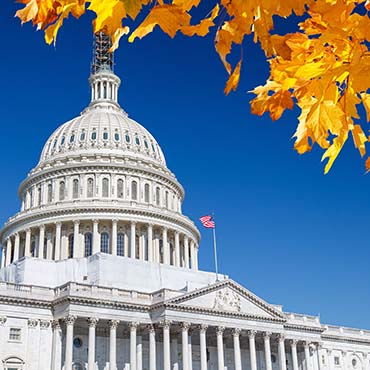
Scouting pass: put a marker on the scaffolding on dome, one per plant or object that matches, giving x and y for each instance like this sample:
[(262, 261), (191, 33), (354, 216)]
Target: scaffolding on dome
[(102, 57)]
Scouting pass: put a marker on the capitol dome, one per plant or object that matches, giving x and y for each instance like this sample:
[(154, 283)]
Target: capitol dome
[(102, 186)]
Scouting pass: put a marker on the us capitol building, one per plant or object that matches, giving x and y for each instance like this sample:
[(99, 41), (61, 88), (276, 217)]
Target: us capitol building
[(99, 269)]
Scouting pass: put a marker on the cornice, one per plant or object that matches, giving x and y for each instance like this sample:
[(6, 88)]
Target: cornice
[(336, 338), (26, 302), (303, 328)]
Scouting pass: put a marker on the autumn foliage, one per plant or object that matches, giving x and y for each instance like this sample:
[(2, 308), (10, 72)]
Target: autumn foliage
[(324, 68)]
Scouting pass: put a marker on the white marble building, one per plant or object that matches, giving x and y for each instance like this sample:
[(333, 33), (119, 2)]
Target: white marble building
[(99, 269)]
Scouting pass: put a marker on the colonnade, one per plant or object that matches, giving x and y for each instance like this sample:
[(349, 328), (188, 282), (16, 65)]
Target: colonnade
[(81, 238), (170, 334)]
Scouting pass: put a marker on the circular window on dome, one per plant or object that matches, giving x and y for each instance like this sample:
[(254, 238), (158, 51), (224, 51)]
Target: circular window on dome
[(105, 135), (354, 363), (127, 138), (273, 359), (137, 140), (93, 135), (116, 136), (77, 342), (63, 140)]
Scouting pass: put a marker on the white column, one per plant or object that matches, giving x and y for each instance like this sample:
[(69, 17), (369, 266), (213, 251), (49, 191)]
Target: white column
[(203, 346), (220, 348), (166, 345), (96, 240), (267, 346), (58, 237), (92, 321), (133, 327), (76, 239), (69, 320), (152, 349), (2, 338), (2, 257), (139, 352), (27, 247), (150, 243), (307, 356), (185, 348), (177, 249), (196, 250), (186, 251), (293, 344), (282, 357), (41, 241), (192, 254), (133, 241), (252, 349), (237, 354), (114, 237), (166, 247), (113, 344), (16, 247), (56, 346), (174, 353), (190, 350), (8, 252)]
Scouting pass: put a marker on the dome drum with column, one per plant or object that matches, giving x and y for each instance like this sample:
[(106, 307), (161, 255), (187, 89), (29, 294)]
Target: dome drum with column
[(102, 185)]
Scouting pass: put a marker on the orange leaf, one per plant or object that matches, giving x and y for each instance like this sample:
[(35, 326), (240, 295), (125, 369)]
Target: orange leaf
[(233, 81)]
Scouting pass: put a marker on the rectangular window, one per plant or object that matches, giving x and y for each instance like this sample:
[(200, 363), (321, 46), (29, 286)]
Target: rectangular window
[(15, 334), (336, 360)]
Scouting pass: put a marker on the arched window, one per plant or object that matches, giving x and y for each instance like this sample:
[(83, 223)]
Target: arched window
[(146, 193), (105, 135), (158, 196), (120, 244), (76, 188), (105, 188), (166, 200), (70, 245), (134, 190), (50, 193), (39, 197), (13, 363), (104, 243), (88, 244), (33, 249), (62, 190), (120, 188), (90, 188)]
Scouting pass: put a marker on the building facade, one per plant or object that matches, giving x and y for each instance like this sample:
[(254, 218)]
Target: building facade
[(99, 269)]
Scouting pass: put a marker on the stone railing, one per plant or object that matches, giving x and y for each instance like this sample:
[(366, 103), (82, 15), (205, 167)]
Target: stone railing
[(295, 318), (344, 331)]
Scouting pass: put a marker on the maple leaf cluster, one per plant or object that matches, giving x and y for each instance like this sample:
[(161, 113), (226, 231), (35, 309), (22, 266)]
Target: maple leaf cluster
[(324, 68)]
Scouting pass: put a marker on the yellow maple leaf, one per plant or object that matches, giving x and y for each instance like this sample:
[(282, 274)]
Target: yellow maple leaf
[(233, 81), (203, 27), (170, 18), (334, 149), (359, 139)]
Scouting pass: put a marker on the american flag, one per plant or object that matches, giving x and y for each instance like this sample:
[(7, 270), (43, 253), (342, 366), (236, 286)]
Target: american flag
[(208, 222)]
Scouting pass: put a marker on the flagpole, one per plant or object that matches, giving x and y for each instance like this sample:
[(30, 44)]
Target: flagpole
[(215, 248)]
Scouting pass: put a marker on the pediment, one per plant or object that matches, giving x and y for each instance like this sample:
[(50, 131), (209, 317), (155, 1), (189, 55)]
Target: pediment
[(227, 297)]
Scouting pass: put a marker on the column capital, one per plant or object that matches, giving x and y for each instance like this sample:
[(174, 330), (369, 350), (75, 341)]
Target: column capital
[(185, 326), (55, 324), (95, 221), (113, 324), (42, 227), (16, 234), (133, 222), (220, 330), (28, 230), (267, 334), (92, 321), (151, 329), (76, 222), (70, 319), (293, 342), (114, 220), (165, 324), (203, 328), (281, 337), (44, 324), (32, 323), (252, 334), (306, 344), (58, 224), (3, 320), (236, 332), (133, 325)]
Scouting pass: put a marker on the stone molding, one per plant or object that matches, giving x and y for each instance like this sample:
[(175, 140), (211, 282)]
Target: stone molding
[(32, 323), (93, 322), (44, 324), (70, 320), (3, 320)]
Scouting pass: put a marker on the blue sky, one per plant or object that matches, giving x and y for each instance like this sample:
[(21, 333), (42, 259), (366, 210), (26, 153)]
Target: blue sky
[(285, 231)]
